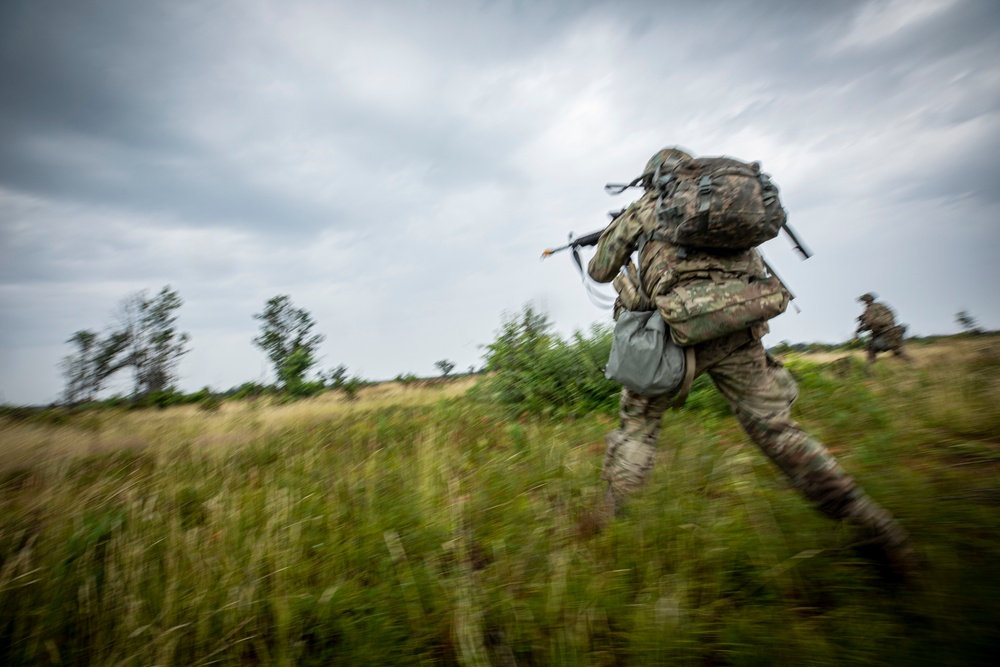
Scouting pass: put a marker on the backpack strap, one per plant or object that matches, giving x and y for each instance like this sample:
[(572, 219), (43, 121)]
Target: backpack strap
[(690, 362), (644, 238), (705, 193), (618, 188)]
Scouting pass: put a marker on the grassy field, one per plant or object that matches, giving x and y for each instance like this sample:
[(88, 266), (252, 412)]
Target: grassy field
[(417, 525)]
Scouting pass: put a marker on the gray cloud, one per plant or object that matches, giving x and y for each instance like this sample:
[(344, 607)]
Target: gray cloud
[(398, 167)]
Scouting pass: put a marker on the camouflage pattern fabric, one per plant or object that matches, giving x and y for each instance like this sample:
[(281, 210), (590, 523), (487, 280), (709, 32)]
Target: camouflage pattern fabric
[(886, 336), (663, 264), (877, 318), (759, 390), (707, 309), (761, 393), (720, 203)]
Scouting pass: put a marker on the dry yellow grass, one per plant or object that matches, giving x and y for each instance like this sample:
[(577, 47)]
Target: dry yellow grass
[(950, 350), (235, 423)]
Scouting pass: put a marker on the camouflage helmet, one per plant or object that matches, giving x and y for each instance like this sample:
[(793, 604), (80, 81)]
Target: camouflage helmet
[(867, 297), (665, 160)]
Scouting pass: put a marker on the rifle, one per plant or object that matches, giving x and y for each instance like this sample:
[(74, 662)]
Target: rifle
[(584, 241), (796, 243), (597, 298)]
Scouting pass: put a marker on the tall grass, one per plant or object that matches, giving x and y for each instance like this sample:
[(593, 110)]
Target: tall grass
[(417, 526)]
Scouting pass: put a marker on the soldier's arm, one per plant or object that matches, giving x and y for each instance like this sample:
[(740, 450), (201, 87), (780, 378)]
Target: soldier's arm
[(864, 323), (615, 246)]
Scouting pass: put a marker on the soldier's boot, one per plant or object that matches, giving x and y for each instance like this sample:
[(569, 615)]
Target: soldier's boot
[(883, 537)]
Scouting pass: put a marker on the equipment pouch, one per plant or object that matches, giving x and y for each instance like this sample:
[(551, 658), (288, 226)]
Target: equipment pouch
[(710, 308), (643, 356), (626, 283), (881, 343)]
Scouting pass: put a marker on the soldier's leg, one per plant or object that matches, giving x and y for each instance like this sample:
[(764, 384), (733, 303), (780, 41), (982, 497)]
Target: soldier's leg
[(761, 393), (901, 353), (631, 449)]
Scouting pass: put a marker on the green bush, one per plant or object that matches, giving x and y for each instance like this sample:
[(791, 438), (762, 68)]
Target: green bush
[(533, 371)]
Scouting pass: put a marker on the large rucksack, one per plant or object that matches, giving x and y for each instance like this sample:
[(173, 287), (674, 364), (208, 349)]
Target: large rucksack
[(718, 203), (720, 207)]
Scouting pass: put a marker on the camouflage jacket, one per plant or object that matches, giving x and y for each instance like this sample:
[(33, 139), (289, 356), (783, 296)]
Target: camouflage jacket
[(662, 265), (877, 318)]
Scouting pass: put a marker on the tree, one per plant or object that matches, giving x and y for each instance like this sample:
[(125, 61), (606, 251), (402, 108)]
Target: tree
[(336, 378), (445, 366), (293, 371), (967, 322), (77, 367), (286, 331), (155, 346), (94, 361), (520, 342)]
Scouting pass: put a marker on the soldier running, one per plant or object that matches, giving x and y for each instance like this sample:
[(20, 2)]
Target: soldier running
[(887, 336), (759, 389)]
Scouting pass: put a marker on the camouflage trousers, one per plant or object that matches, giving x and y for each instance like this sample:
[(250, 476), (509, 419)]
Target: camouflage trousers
[(760, 392)]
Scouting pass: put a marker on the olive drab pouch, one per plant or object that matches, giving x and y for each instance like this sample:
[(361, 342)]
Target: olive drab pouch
[(880, 343), (708, 308), (643, 356), (630, 294), (719, 203), (889, 340)]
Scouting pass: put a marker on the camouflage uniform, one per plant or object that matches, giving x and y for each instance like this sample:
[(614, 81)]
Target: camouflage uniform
[(759, 390), (887, 336)]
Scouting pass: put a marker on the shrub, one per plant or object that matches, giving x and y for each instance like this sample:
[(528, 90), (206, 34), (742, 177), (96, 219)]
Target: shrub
[(533, 371)]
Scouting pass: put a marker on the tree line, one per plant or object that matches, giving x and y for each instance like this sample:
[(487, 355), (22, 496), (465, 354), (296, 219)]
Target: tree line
[(144, 338)]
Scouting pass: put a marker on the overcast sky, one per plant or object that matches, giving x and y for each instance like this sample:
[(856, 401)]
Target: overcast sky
[(396, 168)]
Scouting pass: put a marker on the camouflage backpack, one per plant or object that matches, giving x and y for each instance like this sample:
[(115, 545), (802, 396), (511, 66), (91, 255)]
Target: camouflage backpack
[(713, 211), (718, 203)]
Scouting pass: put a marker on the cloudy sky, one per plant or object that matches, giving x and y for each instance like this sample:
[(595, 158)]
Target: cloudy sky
[(396, 168)]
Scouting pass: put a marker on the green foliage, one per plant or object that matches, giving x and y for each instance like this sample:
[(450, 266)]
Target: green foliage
[(352, 386), (94, 361), (954, 400), (335, 378), (207, 400), (145, 338), (967, 322), (705, 399), (248, 390), (450, 534), (161, 345), (532, 371), (292, 372), (204, 398), (454, 534), (153, 345), (287, 339)]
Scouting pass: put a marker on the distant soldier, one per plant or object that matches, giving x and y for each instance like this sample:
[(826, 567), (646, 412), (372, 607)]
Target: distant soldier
[(886, 334)]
